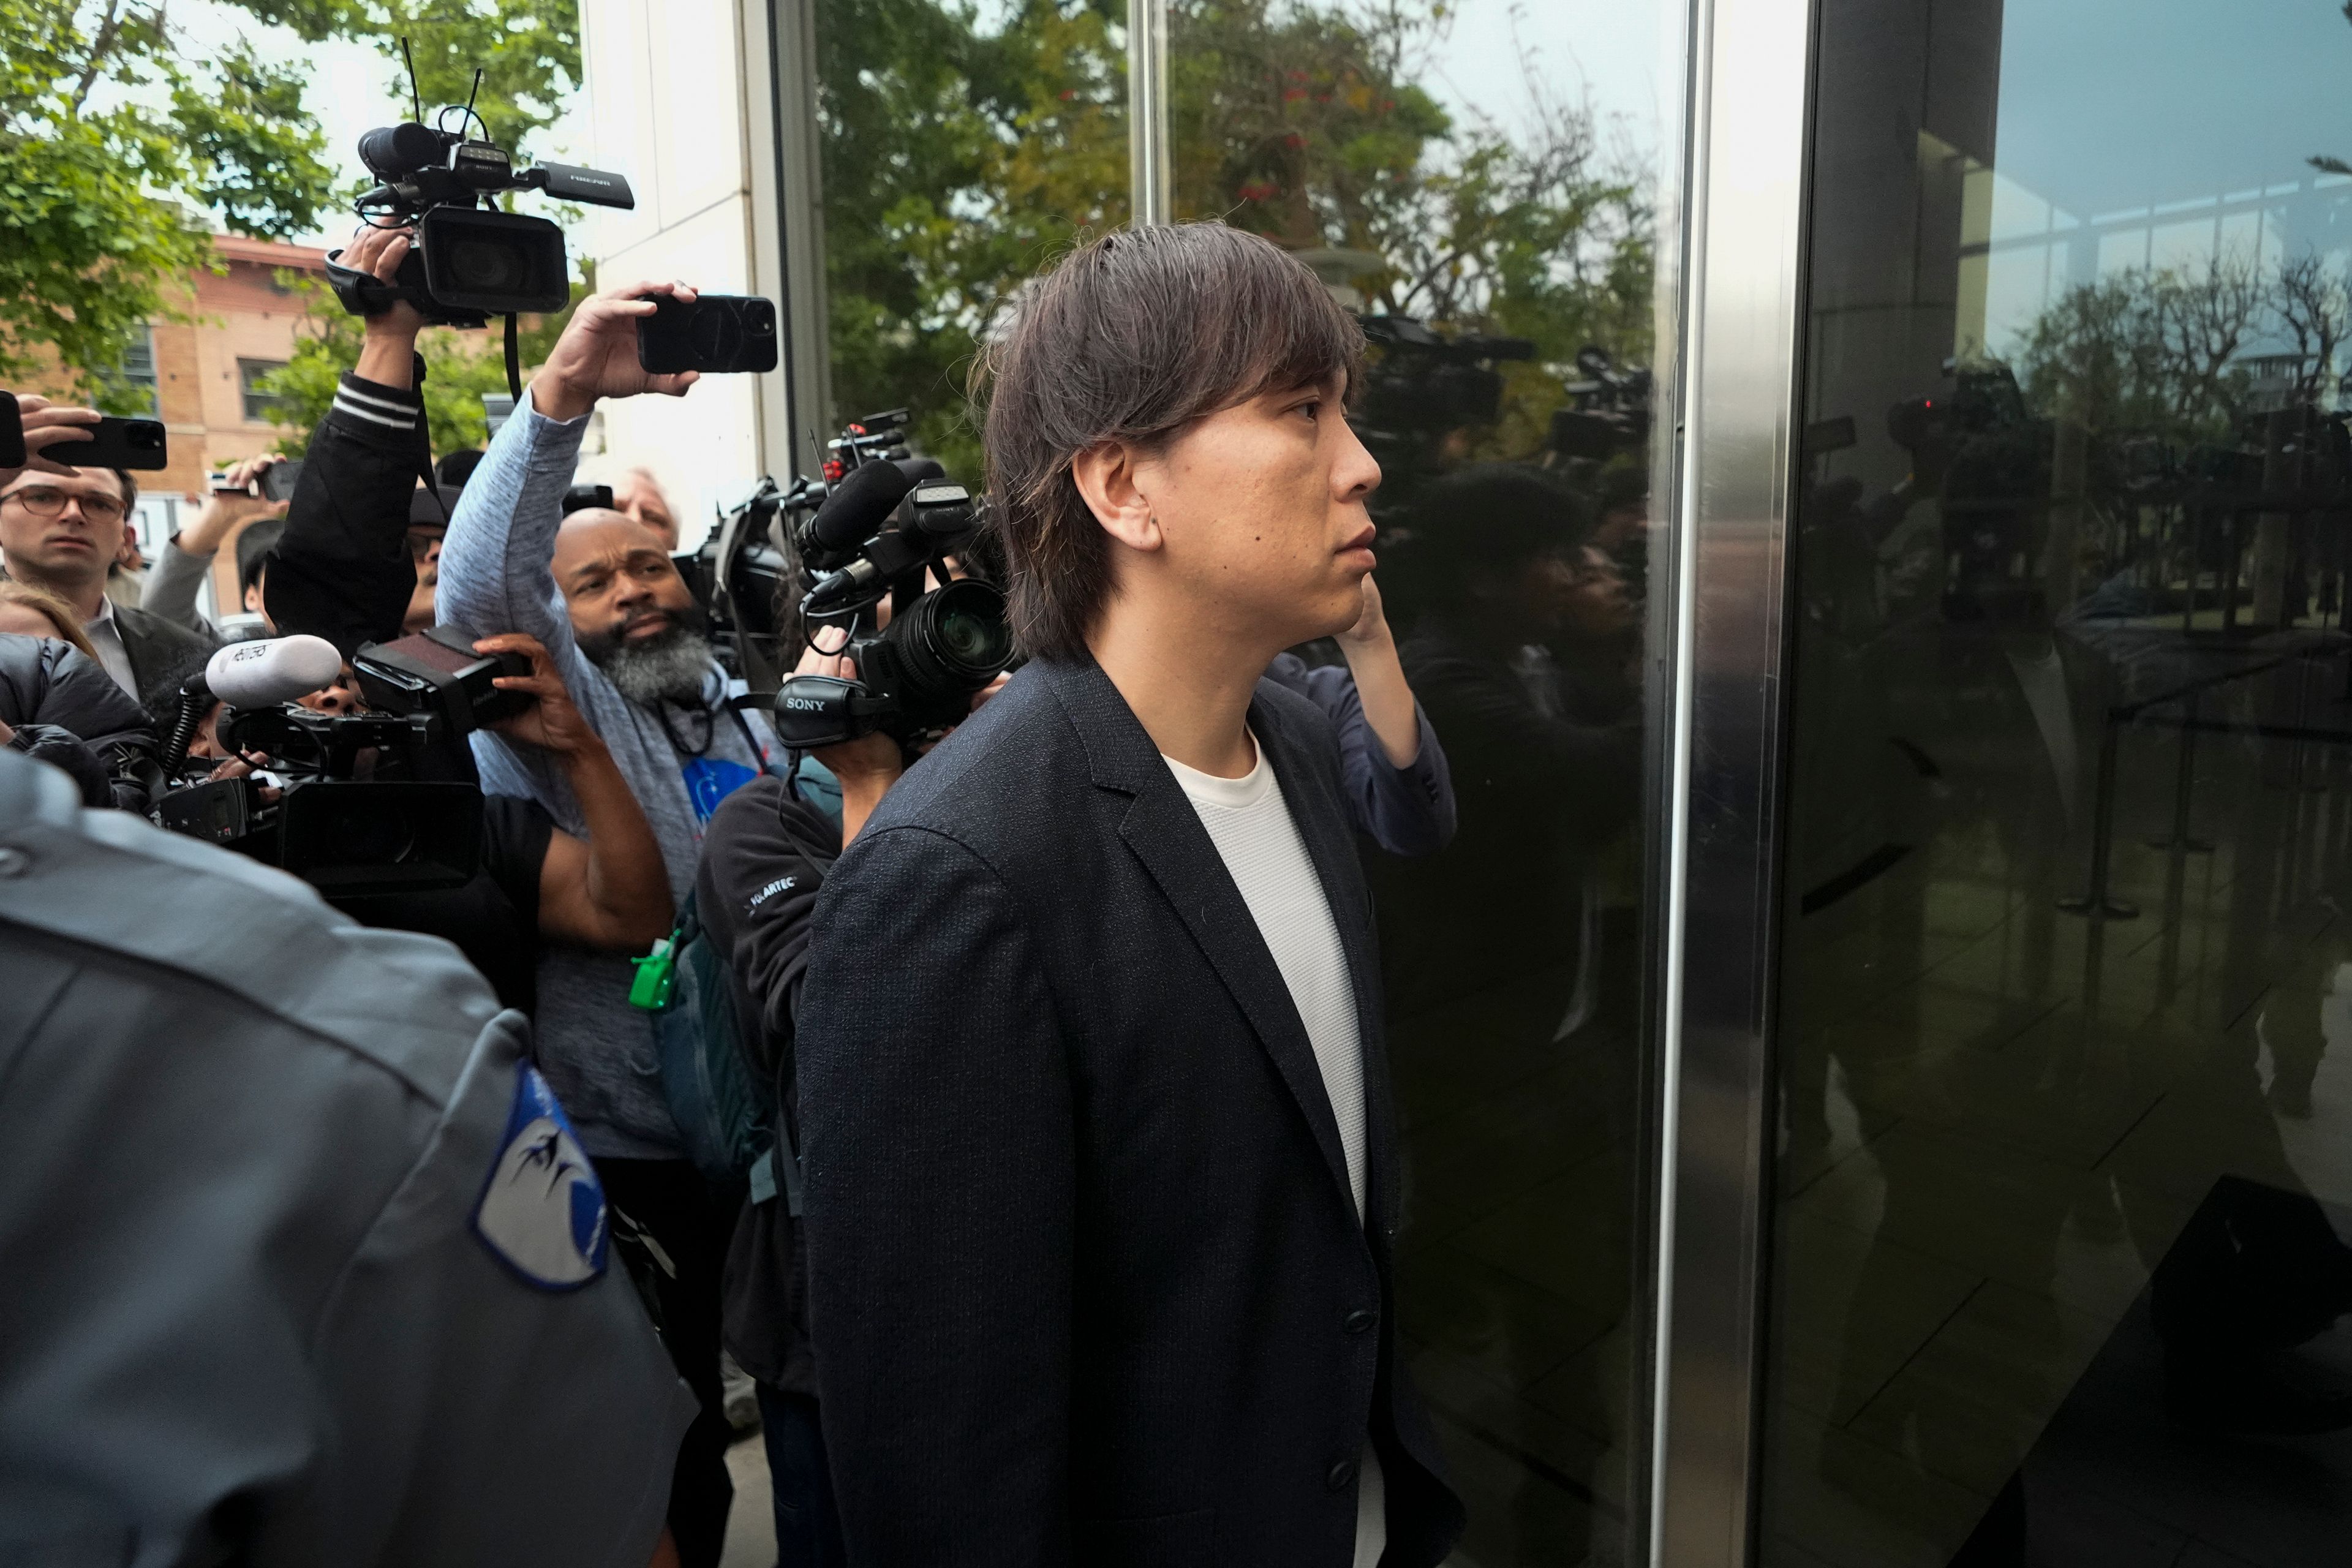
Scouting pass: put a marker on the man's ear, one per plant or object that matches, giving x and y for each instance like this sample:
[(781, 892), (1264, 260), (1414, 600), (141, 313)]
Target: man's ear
[(1107, 480)]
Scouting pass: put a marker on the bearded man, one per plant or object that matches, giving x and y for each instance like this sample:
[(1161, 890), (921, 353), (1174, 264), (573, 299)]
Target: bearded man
[(598, 589)]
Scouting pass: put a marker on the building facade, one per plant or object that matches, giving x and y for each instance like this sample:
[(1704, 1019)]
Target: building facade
[(228, 327)]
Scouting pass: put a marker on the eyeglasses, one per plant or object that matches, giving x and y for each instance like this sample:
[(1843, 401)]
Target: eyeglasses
[(47, 500)]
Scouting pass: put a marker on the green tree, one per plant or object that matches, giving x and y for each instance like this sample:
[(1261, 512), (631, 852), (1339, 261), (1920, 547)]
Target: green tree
[(114, 138), (109, 134), (955, 158), (960, 150), (527, 52), (460, 368)]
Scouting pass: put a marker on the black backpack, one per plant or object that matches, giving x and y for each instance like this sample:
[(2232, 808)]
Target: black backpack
[(728, 1114)]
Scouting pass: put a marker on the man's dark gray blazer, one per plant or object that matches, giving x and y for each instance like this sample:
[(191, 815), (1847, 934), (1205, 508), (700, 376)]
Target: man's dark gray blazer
[(163, 655), (1086, 1282)]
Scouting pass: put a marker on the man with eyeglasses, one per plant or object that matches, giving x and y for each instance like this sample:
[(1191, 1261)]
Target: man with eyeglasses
[(61, 527)]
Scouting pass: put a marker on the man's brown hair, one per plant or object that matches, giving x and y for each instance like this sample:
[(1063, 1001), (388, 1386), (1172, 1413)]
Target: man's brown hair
[(1131, 338)]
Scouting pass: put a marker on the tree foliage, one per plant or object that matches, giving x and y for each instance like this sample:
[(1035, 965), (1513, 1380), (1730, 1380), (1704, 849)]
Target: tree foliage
[(109, 132), (2163, 351), (120, 139), (960, 152), (460, 368)]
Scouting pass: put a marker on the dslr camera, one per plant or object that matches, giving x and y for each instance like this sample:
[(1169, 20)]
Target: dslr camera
[(882, 521), (470, 261)]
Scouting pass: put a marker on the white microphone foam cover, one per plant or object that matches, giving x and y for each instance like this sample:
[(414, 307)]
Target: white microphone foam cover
[(276, 670)]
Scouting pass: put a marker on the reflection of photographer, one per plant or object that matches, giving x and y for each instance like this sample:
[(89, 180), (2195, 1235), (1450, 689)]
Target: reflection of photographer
[(1521, 655)]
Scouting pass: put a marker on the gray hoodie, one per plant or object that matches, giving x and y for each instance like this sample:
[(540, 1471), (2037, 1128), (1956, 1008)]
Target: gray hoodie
[(496, 576)]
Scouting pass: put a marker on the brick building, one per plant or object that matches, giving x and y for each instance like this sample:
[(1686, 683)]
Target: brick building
[(240, 323)]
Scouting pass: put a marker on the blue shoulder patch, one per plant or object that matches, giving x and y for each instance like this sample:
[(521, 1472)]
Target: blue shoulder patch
[(542, 1211)]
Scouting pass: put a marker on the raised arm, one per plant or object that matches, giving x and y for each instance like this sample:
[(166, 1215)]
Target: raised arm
[(341, 570), (496, 563), (940, 1191), (187, 558), (1399, 788)]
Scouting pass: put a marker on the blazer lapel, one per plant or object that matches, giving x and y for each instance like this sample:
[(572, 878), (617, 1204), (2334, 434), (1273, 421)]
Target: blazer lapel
[(1165, 834)]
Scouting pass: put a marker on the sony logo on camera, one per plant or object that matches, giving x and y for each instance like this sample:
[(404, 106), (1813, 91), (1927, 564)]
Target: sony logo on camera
[(806, 704)]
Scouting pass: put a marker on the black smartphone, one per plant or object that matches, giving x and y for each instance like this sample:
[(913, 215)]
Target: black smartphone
[(114, 444), (583, 498), (725, 334), (12, 433), (276, 482)]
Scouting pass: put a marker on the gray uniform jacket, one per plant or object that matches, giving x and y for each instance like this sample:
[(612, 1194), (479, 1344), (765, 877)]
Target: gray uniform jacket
[(301, 1265)]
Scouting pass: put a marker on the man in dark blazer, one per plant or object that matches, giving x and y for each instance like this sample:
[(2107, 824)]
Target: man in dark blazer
[(1101, 1164)]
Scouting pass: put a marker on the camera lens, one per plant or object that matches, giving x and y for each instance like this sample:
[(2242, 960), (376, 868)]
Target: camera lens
[(489, 266), (954, 641), (970, 639)]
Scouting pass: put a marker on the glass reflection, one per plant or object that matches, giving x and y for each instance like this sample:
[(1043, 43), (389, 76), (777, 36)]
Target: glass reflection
[(1478, 183), (2063, 1168)]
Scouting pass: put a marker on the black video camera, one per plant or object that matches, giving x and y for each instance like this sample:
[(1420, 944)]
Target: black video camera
[(1608, 411), (1425, 385), (751, 573), (470, 261), (880, 523), (363, 802)]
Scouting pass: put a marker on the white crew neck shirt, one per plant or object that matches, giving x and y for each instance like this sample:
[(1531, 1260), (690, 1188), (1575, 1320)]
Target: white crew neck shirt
[(1250, 823)]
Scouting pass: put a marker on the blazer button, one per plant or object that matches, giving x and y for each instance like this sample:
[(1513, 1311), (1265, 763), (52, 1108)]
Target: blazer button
[(1360, 1320), (1341, 1474)]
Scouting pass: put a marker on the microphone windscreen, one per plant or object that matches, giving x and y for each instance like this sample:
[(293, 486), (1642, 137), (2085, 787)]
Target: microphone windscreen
[(272, 671), (859, 504)]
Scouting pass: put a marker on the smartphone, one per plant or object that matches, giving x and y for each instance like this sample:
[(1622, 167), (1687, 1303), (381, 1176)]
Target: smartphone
[(583, 498), (115, 444), (277, 482), (12, 433), (725, 334)]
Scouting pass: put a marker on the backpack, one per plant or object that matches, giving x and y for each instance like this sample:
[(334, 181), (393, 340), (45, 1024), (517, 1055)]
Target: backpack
[(728, 1117)]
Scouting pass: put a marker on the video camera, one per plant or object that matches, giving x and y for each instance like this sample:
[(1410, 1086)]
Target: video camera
[(353, 803), (1425, 385), (1608, 411), (869, 532), (470, 261)]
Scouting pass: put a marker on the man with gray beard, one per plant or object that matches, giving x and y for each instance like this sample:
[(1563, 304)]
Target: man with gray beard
[(599, 590)]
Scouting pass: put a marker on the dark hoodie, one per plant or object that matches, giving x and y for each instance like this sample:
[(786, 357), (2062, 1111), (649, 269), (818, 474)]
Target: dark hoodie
[(67, 710)]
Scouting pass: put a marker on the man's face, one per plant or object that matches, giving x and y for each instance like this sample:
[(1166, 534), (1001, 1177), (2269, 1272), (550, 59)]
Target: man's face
[(1261, 511), (62, 530), (425, 553), (617, 581), (638, 498)]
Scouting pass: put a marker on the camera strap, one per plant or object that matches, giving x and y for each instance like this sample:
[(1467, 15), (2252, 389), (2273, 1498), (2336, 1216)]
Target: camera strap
[(514, 360)]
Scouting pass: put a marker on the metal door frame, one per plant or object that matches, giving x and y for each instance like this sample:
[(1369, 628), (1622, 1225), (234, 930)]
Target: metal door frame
[(1724, 720)]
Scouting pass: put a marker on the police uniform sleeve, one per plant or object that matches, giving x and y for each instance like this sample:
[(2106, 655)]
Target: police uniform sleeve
[(304, 1263), (498, 1394)]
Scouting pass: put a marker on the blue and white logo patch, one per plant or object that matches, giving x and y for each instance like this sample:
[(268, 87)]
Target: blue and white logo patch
[(542, 1210)]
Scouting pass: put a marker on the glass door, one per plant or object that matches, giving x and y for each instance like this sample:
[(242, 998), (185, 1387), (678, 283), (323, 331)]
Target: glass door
[(2064, 1139)]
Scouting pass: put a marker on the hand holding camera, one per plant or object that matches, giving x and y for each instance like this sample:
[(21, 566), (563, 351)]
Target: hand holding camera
[(551, 722), (597, 355)]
